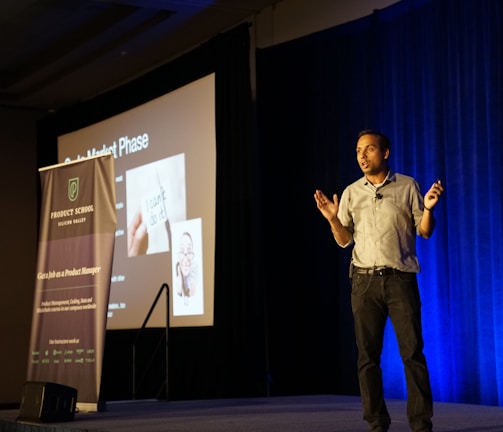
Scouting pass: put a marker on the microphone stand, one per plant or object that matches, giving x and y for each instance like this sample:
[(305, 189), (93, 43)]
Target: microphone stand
[(161, 289)]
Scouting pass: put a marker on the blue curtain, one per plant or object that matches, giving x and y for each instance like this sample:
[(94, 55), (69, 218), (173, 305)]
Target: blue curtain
[(430, 75)]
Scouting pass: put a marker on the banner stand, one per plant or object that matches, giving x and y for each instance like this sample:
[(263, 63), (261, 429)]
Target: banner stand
[(74, 266)]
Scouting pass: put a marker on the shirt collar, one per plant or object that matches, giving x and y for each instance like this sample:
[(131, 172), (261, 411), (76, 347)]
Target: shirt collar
[(390, 177)]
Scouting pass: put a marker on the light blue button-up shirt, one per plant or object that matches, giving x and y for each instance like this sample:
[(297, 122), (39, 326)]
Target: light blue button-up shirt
[(383, 222)]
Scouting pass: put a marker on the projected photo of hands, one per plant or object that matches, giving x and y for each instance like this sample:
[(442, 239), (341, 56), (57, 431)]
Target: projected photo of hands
[(137, 235), (155, 196)]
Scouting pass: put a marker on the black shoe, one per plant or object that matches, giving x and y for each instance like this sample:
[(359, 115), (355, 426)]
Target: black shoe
[(423, 428)]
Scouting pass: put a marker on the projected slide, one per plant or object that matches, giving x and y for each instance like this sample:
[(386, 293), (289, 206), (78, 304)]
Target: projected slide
[(165, 167)]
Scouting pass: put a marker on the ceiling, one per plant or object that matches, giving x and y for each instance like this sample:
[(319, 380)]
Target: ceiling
[(55, 53)]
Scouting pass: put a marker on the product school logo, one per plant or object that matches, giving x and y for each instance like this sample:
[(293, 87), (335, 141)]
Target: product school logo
[(73, 188)]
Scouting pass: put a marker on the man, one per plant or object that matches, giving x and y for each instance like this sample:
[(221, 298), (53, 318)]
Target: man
[(380, 215)]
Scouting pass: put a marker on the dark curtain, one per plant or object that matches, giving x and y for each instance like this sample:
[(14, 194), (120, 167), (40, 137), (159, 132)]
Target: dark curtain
[(430, 75)]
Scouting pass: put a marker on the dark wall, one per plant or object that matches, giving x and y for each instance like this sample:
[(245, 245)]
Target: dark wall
[(18, 219)]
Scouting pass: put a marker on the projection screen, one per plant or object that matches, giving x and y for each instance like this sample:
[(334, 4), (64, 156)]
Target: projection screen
[(165, 168)]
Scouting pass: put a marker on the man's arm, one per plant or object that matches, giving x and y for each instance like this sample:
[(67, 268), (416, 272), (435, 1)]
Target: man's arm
[(329, 210), (427, 225)]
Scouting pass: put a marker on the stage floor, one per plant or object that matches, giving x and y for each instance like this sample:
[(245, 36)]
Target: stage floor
[(322, 413)]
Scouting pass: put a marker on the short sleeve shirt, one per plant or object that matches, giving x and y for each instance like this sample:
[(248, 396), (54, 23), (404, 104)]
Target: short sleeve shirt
[(383, 222)]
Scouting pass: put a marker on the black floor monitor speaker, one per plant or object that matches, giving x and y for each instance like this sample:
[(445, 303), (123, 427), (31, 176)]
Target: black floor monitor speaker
[(47, 402)]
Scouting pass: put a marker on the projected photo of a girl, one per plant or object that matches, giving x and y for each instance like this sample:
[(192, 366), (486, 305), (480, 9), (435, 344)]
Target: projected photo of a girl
[(186, 281), (187, 277)]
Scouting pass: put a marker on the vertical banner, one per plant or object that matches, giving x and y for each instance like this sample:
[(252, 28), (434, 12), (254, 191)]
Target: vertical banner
[(75, 252)]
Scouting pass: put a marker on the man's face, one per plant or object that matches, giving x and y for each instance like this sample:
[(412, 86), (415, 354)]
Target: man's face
[(370, 157)]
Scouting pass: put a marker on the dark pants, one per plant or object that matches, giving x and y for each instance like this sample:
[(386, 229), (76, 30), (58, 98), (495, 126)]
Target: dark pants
[(373, 299)]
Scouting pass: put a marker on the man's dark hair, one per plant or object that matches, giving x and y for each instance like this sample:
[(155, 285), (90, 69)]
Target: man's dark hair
[(383, 139)]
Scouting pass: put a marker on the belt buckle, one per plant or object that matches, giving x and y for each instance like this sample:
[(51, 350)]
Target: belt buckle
[(380, 271)]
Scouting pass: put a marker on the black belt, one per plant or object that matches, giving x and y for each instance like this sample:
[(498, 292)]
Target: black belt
[(376, 271)]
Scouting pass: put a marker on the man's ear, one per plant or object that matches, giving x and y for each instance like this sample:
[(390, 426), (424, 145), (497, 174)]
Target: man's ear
[(386, 154)]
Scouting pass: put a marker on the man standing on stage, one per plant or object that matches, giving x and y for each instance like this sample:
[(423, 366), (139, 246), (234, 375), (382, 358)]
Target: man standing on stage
[(380, 215)]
